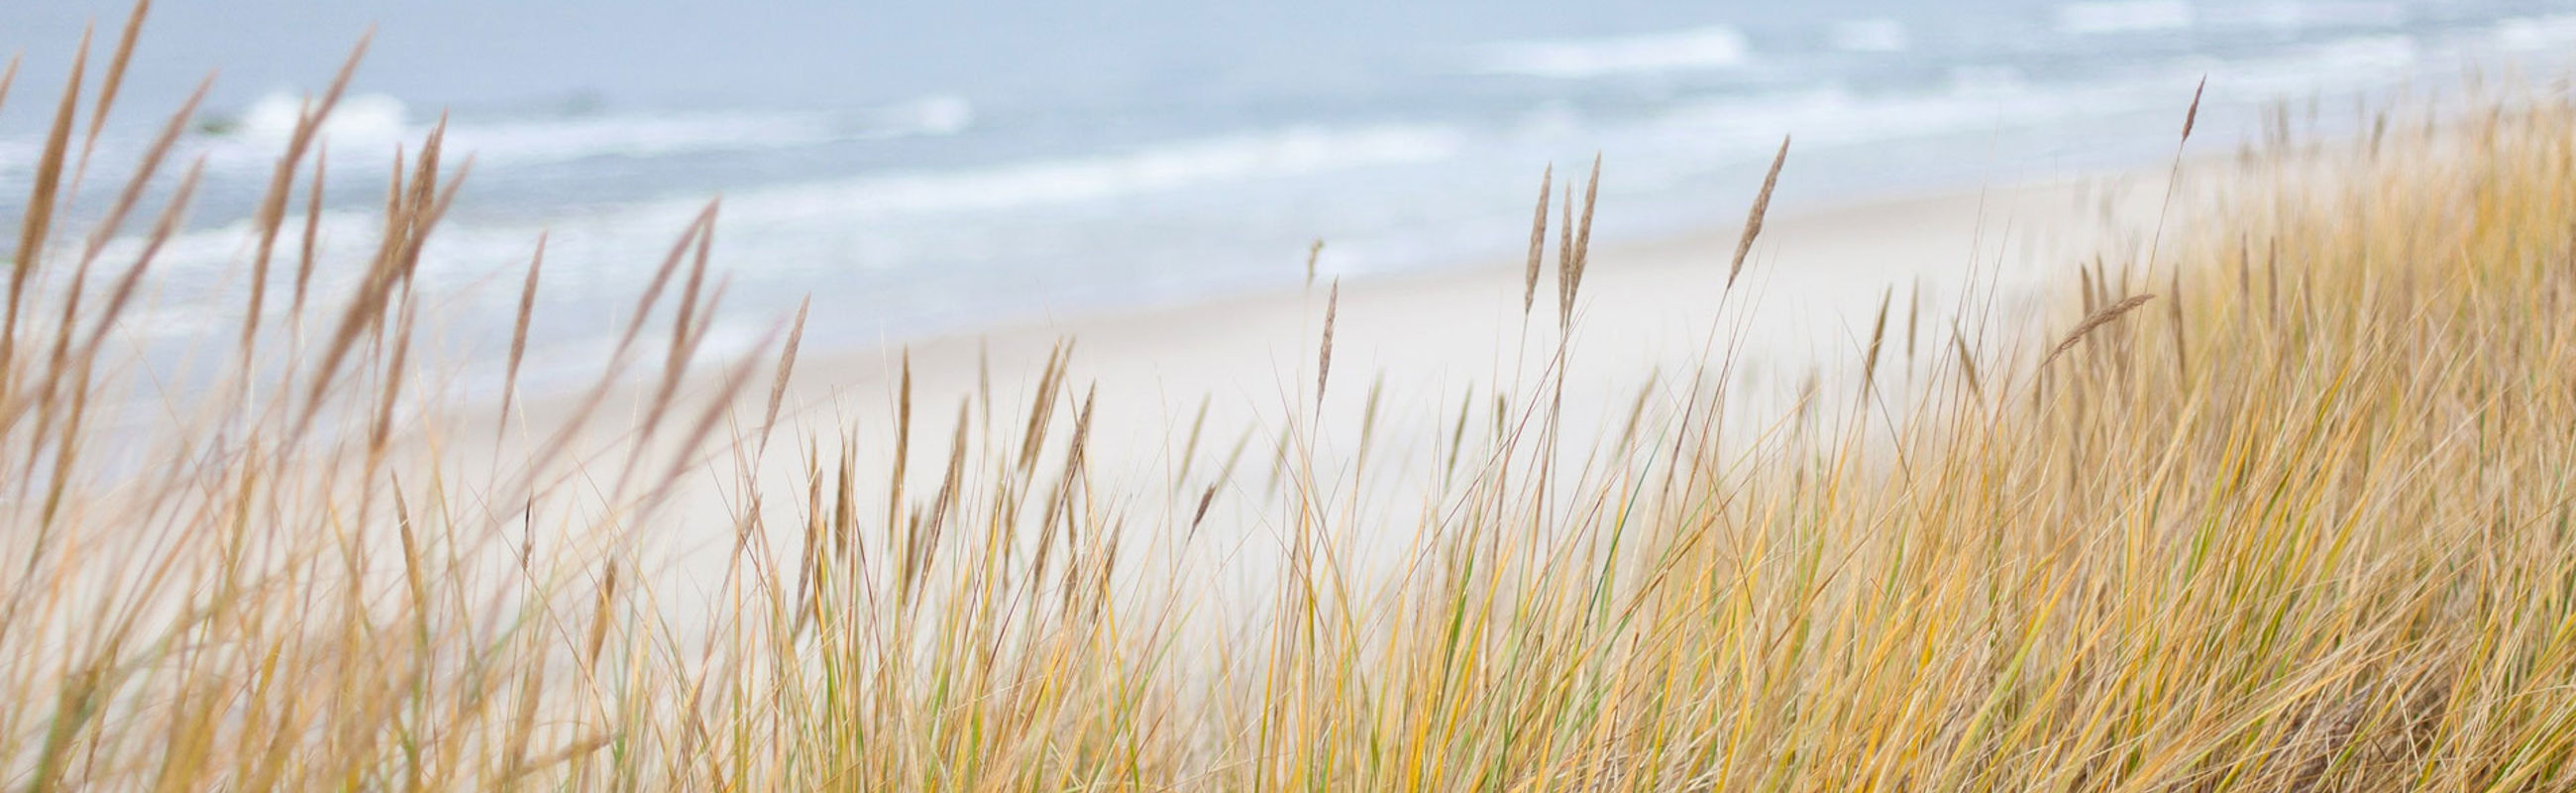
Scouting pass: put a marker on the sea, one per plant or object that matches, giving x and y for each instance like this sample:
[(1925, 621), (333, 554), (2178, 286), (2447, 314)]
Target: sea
[(929, 168)]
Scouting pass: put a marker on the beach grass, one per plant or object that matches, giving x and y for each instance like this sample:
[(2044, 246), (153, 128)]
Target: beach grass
[(2280, 503)]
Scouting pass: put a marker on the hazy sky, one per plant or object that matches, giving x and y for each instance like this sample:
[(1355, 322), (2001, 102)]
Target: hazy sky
[(663, 52)]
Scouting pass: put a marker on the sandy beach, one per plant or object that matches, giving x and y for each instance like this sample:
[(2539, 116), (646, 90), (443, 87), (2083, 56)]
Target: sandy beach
[(1654, 321)]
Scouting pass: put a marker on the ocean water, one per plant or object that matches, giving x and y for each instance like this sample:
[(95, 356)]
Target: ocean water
[(928, 168)]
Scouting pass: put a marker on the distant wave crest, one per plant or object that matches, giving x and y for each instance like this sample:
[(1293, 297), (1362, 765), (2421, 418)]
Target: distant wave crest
[(375, 122), (787, 215), (1287, 152), (368, 118), (2297, 15), (1688, 50), (2536, 33), (2124, 16)]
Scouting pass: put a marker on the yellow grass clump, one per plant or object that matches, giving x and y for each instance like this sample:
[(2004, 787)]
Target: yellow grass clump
[(2305, 528)]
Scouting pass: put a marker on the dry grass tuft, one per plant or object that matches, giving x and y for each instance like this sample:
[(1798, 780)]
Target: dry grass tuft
[(2328, 548)]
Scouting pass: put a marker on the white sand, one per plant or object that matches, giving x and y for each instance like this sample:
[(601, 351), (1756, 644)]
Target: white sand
[(1658, 310)]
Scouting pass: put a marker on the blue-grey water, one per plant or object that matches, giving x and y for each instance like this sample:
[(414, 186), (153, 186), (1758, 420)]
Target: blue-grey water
[(931, 167)]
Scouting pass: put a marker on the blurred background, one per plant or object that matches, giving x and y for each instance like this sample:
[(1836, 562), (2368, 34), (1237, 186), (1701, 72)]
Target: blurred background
[(924, 168)]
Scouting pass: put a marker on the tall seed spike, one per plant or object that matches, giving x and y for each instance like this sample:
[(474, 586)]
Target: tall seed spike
[(272, 207), (2182, 352), (107, 87), (902, 441), (1913, 318), (685, 319), (1200, 516), (2193, 116), (1877, 335), (786, 367), (40, 203), (519, 330), (1967, 362), (1565, 254), (1190, 447), (1324, 358), (1538, 238), (1761, 206), (1583, 234), (312, 233), (2093, 322)]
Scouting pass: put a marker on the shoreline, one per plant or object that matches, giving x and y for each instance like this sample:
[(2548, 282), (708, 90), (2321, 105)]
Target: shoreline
[(2000, 236), (1713, 239)]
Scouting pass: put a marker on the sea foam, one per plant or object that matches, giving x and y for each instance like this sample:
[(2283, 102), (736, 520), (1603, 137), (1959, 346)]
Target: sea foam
[(2124, 16), (1687, 50)]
